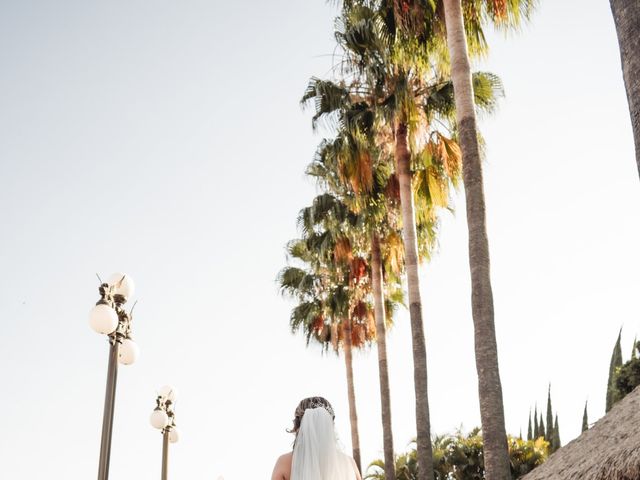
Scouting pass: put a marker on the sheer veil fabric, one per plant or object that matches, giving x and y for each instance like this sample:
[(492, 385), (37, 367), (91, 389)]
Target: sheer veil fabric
[(315, 454)]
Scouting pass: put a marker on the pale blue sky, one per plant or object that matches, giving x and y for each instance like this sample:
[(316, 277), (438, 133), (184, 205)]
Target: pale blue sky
[(165, 139)]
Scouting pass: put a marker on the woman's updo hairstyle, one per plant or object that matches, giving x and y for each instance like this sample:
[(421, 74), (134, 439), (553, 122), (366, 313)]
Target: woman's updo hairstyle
[(306, 403)]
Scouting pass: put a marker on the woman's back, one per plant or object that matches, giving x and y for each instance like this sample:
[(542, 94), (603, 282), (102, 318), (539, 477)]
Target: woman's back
[(282, 470)]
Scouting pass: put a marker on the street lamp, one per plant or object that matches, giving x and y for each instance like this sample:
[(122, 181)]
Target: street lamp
[(108, 317), (163, 418)]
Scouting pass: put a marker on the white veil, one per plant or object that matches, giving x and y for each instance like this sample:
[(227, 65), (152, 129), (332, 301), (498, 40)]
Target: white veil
[(315, 454)]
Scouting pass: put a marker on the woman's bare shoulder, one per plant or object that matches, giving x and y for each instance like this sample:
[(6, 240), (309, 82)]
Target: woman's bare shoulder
[(282, 469), (287, 457)]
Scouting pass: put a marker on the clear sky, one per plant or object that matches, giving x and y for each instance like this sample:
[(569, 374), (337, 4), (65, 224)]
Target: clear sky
[(165, 139)]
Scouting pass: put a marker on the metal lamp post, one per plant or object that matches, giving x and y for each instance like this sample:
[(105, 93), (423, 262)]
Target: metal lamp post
[(108, 317), (163, 418)]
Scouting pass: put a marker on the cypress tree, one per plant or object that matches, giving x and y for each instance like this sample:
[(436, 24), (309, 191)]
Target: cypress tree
[(633, 350), (585, 418), (541, 432), (549, 432), (529, 430), (555, 441), (536, 428), (616, 361)]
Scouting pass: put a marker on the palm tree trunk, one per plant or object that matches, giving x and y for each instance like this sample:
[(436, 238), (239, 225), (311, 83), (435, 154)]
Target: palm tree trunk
[(381, 340), (351, 393), (423, 427), (496, 456), (626, 14)]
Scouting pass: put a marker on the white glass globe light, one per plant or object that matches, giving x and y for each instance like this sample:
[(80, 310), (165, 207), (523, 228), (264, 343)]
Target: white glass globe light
[(174, 435), (122, 284), (103, 319), (168, 392), (159, 419), (128, 352)]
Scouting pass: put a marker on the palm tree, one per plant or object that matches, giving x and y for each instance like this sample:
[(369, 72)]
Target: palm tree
[(345, 167), (328, 308), (368, 37), (397, 75), (351, 167), (336, 235), (325, 170), (626, 14), (389, 93), (501, 13)]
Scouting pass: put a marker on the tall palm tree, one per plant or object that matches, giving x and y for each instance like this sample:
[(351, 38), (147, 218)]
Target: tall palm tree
[(626, 14), (353, 168), (397, 74), (345, 166), (330, 171), (333, 227), (368, 37), (328, 308), (502, 13), (389, 90)]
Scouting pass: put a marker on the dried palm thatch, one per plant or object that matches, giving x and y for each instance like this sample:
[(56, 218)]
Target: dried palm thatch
[(610, 450)]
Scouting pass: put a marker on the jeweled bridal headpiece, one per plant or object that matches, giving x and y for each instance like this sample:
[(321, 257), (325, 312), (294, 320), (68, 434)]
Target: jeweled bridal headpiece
[(321, 405)]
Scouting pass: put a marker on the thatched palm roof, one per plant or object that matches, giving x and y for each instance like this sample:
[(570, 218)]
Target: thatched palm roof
[(610, 450)]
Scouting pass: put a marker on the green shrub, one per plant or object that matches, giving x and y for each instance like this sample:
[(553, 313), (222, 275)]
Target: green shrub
[(459, 457)]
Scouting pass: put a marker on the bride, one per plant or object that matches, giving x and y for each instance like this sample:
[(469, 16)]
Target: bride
[(315, 455)]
